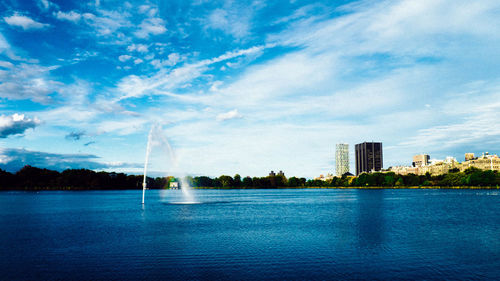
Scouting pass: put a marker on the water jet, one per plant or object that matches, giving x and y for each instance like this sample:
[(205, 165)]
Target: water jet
[(156, 138)]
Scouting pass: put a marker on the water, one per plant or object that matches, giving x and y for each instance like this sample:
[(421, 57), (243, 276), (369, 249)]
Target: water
[(251, 235)]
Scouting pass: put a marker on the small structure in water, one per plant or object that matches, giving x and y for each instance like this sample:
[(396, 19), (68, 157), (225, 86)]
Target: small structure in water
[(174, 185)]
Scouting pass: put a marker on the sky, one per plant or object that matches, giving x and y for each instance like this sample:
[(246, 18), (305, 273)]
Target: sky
[(245, 86)]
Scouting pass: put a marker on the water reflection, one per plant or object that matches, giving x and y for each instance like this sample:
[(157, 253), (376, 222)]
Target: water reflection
[(371, 221)]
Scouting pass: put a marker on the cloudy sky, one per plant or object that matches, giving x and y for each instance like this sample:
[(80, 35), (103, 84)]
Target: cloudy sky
[(245, 86)]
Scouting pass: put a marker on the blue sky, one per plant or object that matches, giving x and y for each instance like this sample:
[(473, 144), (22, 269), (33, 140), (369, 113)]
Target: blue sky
[(245, 86)]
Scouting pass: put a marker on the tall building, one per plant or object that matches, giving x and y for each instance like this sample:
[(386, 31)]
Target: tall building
[(368, 157), (420, 160), (341, 159)]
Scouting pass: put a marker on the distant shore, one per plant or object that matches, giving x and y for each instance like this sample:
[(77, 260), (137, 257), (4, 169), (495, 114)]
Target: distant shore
[(270, 188), (364, 187), (33, 178)]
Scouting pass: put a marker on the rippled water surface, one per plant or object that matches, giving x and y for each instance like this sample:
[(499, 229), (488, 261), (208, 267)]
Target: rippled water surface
[(251, 235)]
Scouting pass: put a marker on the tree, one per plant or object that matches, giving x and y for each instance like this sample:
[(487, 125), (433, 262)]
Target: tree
[(453, 179), (7, 180), (226, 181), (237, 181), (203, 181), (400, 182), (247, 182), (294, 182), (389, 179), (411, 180), (481, 178)]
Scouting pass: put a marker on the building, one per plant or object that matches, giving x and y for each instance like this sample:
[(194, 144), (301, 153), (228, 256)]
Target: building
[(324, 178), (368, 157), (341, 159), (484, 162), (469, 156), (421, 160), (439, 167)]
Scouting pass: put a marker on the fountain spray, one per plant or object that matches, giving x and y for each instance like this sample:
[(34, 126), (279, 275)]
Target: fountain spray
[(157, 138), (146, 162)]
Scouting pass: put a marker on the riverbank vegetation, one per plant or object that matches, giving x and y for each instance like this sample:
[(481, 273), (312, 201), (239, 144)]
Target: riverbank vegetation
[(32, 178), (470, 178)]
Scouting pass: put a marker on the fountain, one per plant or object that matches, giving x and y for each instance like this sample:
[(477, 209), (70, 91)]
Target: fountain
[(156, 138)]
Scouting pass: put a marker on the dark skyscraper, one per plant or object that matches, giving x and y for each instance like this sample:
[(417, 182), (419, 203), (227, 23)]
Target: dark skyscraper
[(368, 157)]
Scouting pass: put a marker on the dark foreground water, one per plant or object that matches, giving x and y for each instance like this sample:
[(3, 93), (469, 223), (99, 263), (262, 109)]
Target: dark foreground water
[(251, 234)]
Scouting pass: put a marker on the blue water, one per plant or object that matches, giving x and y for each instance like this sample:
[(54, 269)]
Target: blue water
[(251, 235)]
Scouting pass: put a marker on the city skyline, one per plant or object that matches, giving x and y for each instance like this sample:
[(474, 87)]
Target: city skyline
[(245, 86)]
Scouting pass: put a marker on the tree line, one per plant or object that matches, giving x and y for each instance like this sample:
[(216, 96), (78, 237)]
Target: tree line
[(470, 177), (32, 178)]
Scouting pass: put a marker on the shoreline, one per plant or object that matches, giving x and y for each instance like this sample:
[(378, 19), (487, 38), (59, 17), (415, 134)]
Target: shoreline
[(274, 188), (363, 187)]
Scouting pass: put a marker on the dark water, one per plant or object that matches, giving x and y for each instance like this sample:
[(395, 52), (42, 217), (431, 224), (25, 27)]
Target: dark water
[(251, 235)]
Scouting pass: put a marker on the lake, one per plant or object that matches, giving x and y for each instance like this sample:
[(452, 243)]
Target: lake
[(304, 234)]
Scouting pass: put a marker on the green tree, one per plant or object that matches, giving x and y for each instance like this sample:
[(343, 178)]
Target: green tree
[(400, 182), (411, 180), (226, 181), (453, 179), (247, 182), (237, 181), (294, 182), (389, 179)]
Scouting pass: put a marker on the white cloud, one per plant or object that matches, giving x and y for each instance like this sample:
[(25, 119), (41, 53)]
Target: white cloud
[(69, 16), (24, 22), (45, 3), (16, 124), (471, 119), (164, 81), (28, 81), (234, 18), (124, 58), (141, 48), (229, 22), (172, 60), (13, 159), (122, 127), (150, 26), (233, 114), (4, 46), (144, 8), (412, 28), (107, 23), (6, 49), (138, 61)]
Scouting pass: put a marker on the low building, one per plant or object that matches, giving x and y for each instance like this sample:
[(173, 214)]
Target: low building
[(324, 178), (439, 167), (485, 162), (404, 170), (420, 160), (469, 156)]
